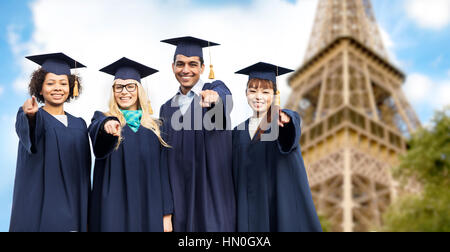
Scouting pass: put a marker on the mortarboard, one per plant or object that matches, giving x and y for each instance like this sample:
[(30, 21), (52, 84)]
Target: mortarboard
[(59, 64), (264, 71), (191, 47), (127, 69)]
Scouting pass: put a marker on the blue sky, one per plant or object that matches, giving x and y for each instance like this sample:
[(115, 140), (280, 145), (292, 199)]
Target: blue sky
[(417, 45), (421, 49)]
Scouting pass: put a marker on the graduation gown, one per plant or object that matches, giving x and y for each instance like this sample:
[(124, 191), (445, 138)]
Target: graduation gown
[(52, 181), (271, 184), (200, 169), (131, 191)]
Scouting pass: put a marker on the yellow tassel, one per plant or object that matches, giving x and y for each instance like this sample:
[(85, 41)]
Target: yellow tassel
[(150, 109), (211, 73), (278, 99), (75, 88)]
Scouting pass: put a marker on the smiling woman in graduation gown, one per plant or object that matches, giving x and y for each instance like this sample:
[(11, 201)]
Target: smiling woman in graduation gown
[(271, 183), (54, 159), (131, 191)]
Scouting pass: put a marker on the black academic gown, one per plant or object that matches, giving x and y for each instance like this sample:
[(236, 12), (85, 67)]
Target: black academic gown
[(200, 168), (52, 182), (131, 191), (272, 188)]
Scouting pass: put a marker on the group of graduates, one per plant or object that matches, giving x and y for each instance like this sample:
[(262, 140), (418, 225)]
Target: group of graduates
[(151, 175)]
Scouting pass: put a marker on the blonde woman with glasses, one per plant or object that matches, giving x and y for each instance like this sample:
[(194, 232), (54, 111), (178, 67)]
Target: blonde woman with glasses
[(131, 191)]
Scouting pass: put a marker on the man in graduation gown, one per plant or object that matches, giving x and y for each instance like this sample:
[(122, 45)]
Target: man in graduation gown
[(199, 162)]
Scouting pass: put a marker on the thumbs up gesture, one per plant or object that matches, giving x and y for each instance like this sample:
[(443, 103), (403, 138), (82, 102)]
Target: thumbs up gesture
[(30, 107)]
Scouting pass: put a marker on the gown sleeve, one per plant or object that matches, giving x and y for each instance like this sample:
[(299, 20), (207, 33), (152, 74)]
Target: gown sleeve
[(224, 92), (165, 123), (102, 142), (163, 120), (235, 155), (289, 138), (29, 131), (165, 180)]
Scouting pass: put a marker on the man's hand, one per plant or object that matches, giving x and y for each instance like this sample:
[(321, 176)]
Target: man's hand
[(209, 97), (30, 107), (167, 222), (113, 127)]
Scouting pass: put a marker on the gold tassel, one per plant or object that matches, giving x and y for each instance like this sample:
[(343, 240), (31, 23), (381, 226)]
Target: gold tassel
[(150, 109), (278, 99), (75, 88), (211, 73)]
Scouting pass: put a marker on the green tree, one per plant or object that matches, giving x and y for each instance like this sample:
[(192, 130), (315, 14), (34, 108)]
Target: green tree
[(325, 223), (428, 162)]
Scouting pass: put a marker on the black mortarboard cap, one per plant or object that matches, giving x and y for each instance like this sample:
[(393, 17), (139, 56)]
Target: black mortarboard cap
[(189, 46), (264, 71), (128, 69), (57, 63)]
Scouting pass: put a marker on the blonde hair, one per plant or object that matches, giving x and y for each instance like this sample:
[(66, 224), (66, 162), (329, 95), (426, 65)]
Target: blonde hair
[(146, 121)]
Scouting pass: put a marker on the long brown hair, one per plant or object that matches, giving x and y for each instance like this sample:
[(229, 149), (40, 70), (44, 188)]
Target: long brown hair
[(267, 120)]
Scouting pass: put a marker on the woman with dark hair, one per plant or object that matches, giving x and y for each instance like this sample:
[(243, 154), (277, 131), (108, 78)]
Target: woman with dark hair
[(54, 160), (271, 184)]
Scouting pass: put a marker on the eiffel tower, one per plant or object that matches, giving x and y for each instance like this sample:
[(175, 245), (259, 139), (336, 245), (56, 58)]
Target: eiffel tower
[(356, 118)]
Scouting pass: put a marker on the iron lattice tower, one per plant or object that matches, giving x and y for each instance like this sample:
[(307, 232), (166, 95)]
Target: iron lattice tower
[(355, 115)]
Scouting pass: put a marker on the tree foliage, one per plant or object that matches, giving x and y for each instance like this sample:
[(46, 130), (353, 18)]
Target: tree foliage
[(428, 162)]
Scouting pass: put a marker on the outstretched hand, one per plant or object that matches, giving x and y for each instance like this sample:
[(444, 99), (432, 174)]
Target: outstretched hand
[(113, 127), (30, 107), (283, 119), (209, 97)]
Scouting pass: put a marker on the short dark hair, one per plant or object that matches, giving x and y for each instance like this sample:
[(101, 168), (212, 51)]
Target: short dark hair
[(202, 61), (37, 81)]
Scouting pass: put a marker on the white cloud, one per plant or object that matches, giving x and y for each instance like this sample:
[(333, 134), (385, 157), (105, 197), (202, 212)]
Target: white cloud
[(422, 90), (418, 87), (433, 14), (442, 94), (386, 38), (390, 46), (100, 32), (1, 90)]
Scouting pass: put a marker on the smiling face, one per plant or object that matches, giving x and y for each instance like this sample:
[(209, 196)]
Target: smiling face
[(126, 94), (260, 95), (55, 89), (187, 71)]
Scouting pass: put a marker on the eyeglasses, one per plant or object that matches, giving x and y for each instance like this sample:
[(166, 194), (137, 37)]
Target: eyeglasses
[(131, 87)]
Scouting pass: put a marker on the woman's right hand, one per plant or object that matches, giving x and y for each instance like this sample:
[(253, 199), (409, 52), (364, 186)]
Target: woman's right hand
[(30, 107), (113, 127)]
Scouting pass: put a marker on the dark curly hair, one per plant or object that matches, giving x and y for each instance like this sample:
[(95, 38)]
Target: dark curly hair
[(37, 81)]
